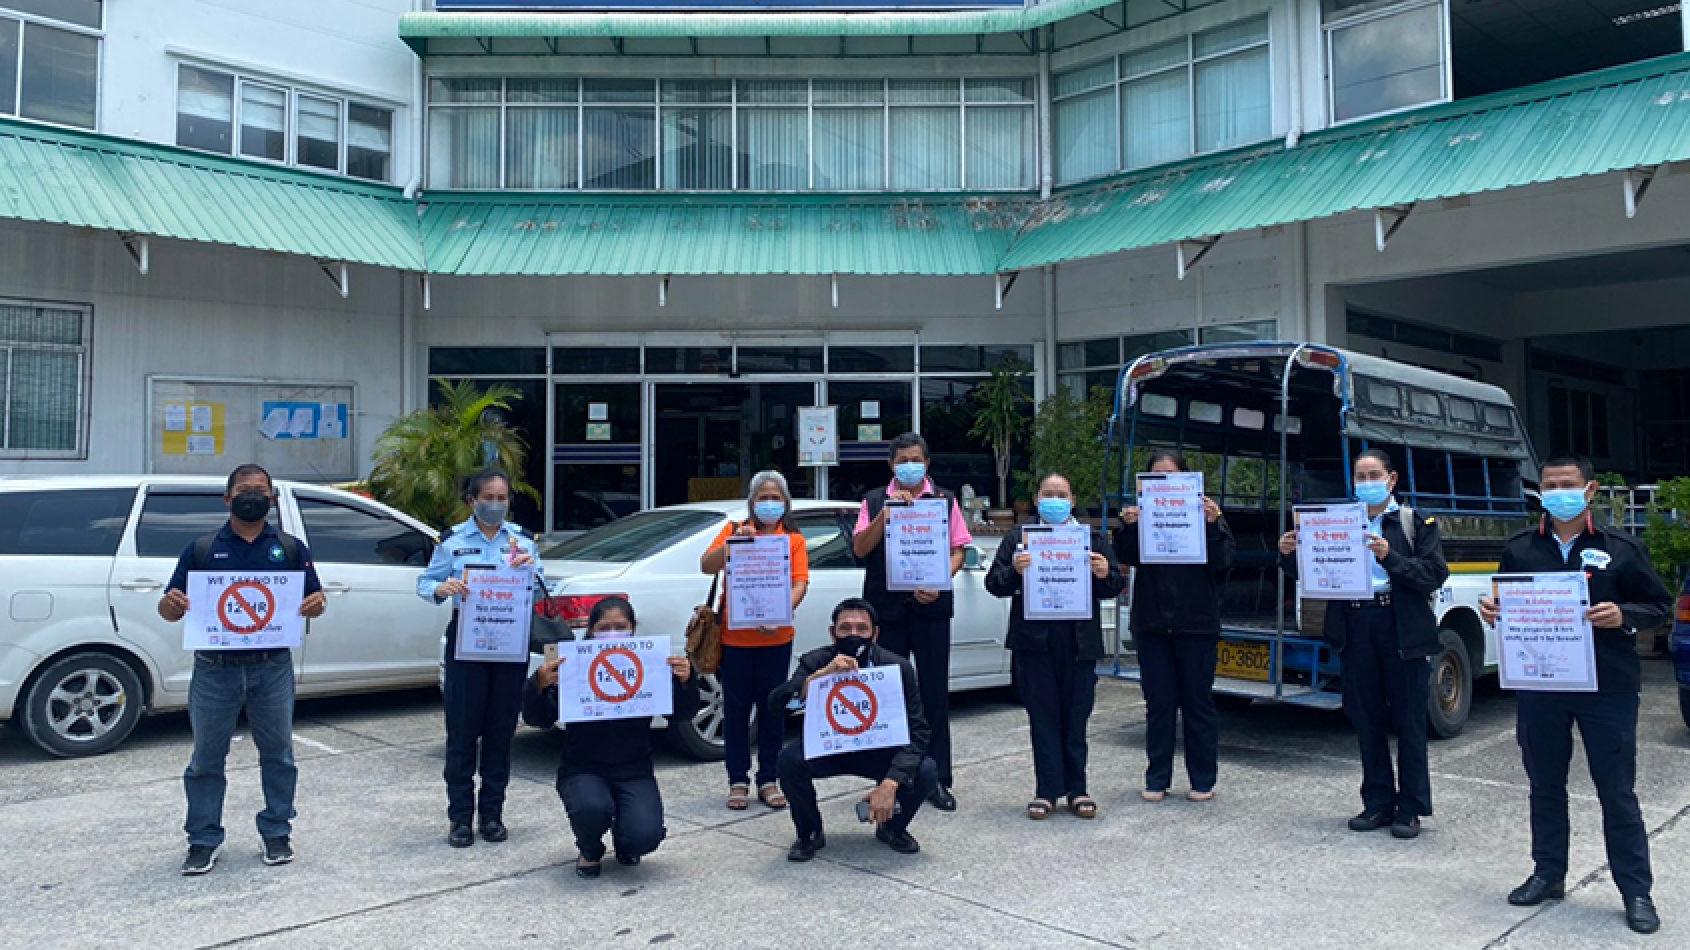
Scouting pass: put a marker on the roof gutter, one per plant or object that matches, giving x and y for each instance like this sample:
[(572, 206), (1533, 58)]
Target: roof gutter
[(415, 183)]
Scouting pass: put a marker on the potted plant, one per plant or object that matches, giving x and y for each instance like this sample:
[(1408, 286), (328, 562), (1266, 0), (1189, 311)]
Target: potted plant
[(422, 457), (1067, 438), (1000, 418)]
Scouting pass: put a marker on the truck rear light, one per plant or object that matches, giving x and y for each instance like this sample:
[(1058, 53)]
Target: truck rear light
[(573, 609)]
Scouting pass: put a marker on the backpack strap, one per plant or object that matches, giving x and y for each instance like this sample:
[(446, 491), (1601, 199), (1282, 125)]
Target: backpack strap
[(1406, 515), (291, 551), (202, 550)]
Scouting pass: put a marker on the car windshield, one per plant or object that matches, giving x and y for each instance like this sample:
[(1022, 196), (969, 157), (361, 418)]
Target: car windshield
[(632, 538)]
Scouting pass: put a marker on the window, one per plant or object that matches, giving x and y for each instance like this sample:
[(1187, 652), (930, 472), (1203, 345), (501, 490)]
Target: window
[(595, 360), (634, 538), (825, 540), (486, 360), (76, 523), (1383, 55), (170, 521), (1202, 93), (342, 534), (50, 60), (279, 124), (43, 379)]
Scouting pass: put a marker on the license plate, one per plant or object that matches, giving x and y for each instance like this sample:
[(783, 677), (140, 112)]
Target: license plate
[(1243, 660)]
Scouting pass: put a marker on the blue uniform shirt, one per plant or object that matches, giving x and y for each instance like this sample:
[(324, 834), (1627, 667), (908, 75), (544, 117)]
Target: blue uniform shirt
[(465, 545), (231, 552), (1381, 580)]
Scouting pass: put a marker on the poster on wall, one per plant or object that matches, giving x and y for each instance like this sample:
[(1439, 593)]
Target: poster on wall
[(294, 429), (818, 435)]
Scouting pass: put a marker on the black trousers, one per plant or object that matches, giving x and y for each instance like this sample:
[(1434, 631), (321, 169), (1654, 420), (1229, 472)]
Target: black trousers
[(483, 701), (1382, 691), (798, 780), (1058, 689), (926, 642), (1177, 675), (1608, 724), (630, 809)]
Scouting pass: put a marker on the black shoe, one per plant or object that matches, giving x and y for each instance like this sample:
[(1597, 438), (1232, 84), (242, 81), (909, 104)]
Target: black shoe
[(1406, 829), (461, 836), (942, 799), (494, 830), (588, 871), (1370, 820), (1536, 890), (201, 859), (627, 860), (1640, 915), (805, 848), (278, 850), (900, 841)]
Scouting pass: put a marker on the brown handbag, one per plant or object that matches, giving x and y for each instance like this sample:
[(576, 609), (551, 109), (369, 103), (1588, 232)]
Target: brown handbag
[(704, 633)]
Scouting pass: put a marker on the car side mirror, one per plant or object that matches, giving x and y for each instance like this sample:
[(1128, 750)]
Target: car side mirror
[(971, 557)]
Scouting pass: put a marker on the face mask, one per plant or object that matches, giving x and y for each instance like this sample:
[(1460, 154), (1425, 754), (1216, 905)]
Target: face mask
[(491, 513), (850, 646), (769, 512), (910, 474), (1055, 510), (622, 634), (1373, 493), (250, 506), (1564, 504)]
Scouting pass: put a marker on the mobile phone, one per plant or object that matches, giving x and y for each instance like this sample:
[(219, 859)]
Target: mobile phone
[(862, 810), (551, 653)]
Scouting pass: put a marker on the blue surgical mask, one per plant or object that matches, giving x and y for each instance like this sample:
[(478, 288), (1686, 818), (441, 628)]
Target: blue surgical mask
[(910, 474), (1373, 493), (1055, 510), (768, 512), (1564, 504)]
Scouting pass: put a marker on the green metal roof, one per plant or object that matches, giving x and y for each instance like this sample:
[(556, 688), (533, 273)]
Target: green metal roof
[(95, 181), (719, 234), (1633, 116)]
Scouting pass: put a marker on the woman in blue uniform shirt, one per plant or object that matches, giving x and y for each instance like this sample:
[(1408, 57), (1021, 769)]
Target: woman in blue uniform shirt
[(482, 698)]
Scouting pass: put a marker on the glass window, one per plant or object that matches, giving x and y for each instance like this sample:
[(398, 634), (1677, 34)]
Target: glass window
[(1389, 62), (1133, 347), (1205, 412), (871, 359), (1086, 141), (698, 148), (463, 90), (80, 12), (1425, 404), (540, 147), (998, 147), (43, 352), (774, 147), (1103, 352), (850, 152), (339, 533), (60, 76), (72, 523), (591, 495), (595, 360), (10, 34), (978, 359), (463, 147), (486, 360), (543, 90), (635, 537), (926, 144), (779, 359), (1383, 395), (263, 121), (1253, 419), (1234, 99), (317, 135), (1165, 407), (369, 142), (1156, 118), (618, 144), (825, 540), (171, 521), (205, 109), (705, 360), (1240, 332), (618, 90), (1462, 410), (703, 91)]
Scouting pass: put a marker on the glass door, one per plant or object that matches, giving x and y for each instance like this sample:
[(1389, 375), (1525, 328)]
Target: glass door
[(596, 436), (710, 437)]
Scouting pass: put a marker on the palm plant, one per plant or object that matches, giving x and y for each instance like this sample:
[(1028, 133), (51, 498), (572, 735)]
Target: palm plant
[(1000, 417), (422, 457)]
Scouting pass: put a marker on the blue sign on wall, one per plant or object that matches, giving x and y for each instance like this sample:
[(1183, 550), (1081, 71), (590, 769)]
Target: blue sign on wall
[(771, 6)]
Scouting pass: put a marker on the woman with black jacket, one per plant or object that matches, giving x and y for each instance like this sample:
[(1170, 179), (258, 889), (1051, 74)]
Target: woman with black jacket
[(1176, 624), (1054, 662), (605, 777)]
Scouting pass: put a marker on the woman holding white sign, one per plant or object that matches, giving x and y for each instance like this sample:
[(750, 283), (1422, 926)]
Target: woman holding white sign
[(1176, 626), (1054, 661), (756, 657), (605, 776)]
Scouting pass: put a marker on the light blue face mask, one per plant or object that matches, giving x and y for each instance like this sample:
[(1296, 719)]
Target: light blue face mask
[(1055, 510), (1564, 504), (1373, 493), (768, 512), (910, 474)]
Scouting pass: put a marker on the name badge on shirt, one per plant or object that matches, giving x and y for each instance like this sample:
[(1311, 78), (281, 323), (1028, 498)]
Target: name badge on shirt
[(465, 552), (1595, 560)]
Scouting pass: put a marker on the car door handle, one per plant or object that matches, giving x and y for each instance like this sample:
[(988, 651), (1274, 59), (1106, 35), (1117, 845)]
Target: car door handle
[(335, 588), (141, 584)]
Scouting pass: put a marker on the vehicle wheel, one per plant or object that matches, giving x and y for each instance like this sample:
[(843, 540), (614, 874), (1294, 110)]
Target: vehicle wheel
[(1229, 703), (84, 704), (701, 736), (1451, 697), (1684, 704)]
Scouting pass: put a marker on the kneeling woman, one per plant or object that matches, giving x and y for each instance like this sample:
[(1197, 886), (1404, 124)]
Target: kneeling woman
[(605, 777)]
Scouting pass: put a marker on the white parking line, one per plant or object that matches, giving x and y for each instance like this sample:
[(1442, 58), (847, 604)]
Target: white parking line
[(313, 743)]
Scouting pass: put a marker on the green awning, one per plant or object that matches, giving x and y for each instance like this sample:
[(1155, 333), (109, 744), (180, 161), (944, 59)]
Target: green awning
[(1630, 117), (85, 180)]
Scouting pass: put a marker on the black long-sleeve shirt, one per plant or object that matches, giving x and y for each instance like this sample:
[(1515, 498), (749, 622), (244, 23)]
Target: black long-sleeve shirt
[(614, 748), (1177, 598), (790, 696)]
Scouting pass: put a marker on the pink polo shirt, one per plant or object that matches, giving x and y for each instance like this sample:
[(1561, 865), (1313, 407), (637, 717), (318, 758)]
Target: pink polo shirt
[(960, 536)]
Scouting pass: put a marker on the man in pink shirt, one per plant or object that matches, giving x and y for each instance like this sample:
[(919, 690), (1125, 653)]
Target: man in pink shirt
[(915, 624)]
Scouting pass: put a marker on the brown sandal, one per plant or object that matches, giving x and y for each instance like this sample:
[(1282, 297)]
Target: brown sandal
[(1083, 807), (739, 797), (1039, 809), (770, 795)]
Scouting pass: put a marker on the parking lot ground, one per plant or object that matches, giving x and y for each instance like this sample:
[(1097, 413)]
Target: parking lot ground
[(91, 848)]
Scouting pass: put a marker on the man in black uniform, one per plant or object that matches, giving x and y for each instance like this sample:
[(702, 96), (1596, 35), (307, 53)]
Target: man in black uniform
[(1626, 596), (915, 624), (905, 775)]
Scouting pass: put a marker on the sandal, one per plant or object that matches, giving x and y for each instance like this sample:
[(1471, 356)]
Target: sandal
[(739, 797), (587, 869), (1151, 795), (1197, 796), (1083, 807), (769, 794), (1038, 809)]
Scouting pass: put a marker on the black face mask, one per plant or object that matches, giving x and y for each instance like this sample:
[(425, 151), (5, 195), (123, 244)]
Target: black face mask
[(250, 506), (851, 646)]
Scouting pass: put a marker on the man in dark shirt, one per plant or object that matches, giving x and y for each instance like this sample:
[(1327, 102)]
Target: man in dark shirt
[(1626, 596), (905, 774), (226, 681)]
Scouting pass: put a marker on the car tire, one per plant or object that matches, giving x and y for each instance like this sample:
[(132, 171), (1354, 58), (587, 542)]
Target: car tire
[(700, 737), (83, 704), (1450, 696)]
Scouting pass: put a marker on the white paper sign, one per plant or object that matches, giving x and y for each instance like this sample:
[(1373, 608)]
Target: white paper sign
[(855, 712), (175, 418), (818, 435), (244, 610), (759, 582), (614, 678), (202, 445), (1544, 638), (495, 614), (202, 418), (1057, 585), (918, 545), (1332, 557), (1171, 525)]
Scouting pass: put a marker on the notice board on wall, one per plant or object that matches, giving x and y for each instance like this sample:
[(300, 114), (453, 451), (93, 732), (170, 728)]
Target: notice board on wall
[(295, 429)]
